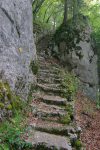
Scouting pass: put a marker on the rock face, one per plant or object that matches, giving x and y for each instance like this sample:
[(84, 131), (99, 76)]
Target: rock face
[(84, 64), (17, 48)]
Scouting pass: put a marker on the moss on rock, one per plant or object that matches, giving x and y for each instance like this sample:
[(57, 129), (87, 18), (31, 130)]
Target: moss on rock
[(65, 119), (8, 100), (2, 105), (78, 145), (9, 107), (69, 85)]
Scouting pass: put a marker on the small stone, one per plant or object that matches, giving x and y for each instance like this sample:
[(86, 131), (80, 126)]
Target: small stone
[(73, 138), (72, 130), (79, 130)]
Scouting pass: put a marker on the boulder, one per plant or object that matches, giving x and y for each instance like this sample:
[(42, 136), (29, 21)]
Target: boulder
[(83, 63)]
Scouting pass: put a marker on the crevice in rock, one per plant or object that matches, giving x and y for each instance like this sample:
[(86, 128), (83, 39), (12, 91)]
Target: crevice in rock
[(85, 82), (8, 16)]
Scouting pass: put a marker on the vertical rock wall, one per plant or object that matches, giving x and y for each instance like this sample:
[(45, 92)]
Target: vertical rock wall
[(17, 48)]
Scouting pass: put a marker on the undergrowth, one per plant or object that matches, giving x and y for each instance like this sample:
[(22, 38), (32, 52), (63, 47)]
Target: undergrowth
[(69, 85), (10, 134), (13, 129), (98, 100)]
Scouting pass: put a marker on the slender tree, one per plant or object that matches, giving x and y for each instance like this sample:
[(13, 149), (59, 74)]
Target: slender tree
[(37, 6), (65, 12)]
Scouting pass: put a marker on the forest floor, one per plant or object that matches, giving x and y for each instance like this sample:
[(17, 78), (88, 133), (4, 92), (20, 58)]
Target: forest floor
[(88, 118)]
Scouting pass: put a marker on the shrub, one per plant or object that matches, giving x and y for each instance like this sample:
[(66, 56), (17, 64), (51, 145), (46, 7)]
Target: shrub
[(69, 85), (10, 134)]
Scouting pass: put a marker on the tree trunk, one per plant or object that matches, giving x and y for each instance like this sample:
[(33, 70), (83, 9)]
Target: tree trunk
[(65, 12), (75, 11)]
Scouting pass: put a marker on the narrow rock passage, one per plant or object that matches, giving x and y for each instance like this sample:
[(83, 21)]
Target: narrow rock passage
[(51, 127)]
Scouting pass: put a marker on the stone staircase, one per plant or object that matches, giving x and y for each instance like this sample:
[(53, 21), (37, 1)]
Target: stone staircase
[(51, 124)]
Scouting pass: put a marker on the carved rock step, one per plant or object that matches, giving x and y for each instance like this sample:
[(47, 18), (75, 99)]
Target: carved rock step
[(41, 109), (49, 80), (47, 75), (50, 85), (41, 140), (56, 100), (52, 127), (44, 72), (50, 88), (49, 71), (41, 58), (49, 67), (44, 63)]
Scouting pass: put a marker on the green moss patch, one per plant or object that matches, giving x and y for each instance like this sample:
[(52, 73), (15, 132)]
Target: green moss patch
[(2, 105), (78, 145), (66, 119), (34, 67), (69, 85), (11, 133), (9, 107)]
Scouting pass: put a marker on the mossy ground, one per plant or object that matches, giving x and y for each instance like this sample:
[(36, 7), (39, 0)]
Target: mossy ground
[(12, 128), (65, 119), (11, 131), (69, 85)]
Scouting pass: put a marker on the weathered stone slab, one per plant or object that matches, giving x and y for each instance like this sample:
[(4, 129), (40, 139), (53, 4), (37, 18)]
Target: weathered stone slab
[(49, 141), (50, 88), (56, 100), (52, 127)]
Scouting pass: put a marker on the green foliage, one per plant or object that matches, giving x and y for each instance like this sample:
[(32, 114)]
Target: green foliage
[(98, 100), (47, 14), (65, 119), (9, 107), (10, 134), (69, 85), (69, 109), (5, 95), (78, 145), (2, 105), (34, 67), (8, 99), (68, 34)]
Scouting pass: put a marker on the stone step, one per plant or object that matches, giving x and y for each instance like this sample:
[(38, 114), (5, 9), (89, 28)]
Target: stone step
[(49, 66), (53, 85), (41, 58), (56, 100), (46, 81), (49, 80), (52, 70), (52, 127), (50, 88), (41, 109), (48, 75), (45, 141)]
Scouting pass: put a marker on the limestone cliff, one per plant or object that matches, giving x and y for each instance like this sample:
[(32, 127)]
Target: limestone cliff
[(17, 48), (83, 62)]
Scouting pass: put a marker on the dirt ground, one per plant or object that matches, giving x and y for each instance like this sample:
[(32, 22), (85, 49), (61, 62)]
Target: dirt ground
[(88, 118)]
